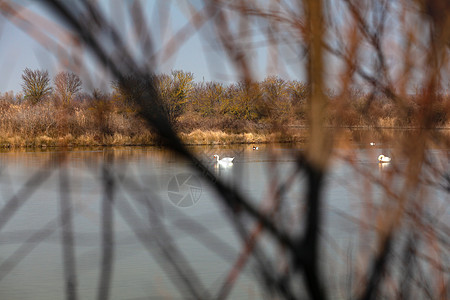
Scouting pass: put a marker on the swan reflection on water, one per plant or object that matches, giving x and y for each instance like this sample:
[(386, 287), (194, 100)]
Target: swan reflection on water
[(384, 166), (384, 162), (226, 161), (222, 166)]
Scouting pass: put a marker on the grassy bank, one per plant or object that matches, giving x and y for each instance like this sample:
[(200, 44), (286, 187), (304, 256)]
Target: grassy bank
[(215, 137), (196, 137), (104, 123), (105, 120)]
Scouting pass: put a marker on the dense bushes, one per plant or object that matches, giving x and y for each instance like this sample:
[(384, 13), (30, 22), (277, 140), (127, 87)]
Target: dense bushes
[(88, 122), (258, 107)]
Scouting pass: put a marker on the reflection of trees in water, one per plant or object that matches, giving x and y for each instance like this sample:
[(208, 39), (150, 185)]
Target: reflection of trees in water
[(409, 246)]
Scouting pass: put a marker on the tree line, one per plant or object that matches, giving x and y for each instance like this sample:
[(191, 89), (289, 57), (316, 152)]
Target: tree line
[(272, 100), (179, 93)]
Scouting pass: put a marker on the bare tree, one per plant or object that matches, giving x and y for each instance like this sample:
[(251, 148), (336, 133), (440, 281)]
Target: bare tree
[(174, 91), (67, 85), (35, 85)]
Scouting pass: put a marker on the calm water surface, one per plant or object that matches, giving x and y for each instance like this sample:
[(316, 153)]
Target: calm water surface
[(192, 217)]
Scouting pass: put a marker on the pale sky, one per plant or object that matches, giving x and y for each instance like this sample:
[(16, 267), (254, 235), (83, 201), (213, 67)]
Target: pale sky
[(18, 50), (198, 53)]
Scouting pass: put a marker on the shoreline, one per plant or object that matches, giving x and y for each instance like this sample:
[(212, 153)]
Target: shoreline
[(193, 138), (196, 137)]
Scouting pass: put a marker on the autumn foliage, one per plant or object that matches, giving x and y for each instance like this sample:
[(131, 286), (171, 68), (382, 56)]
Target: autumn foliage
[(64, 114)]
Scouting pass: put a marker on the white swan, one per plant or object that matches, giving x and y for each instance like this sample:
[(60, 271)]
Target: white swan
[(225, 160), (383, 159)]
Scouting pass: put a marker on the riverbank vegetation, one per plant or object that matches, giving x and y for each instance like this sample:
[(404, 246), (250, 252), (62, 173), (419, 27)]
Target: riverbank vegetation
[(62, 114)]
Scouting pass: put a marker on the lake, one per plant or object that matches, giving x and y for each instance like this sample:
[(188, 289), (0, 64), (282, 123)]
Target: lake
[(163, 209)]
